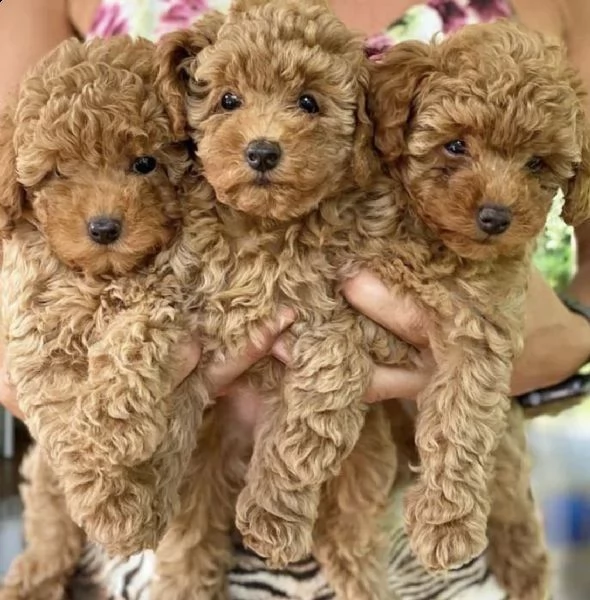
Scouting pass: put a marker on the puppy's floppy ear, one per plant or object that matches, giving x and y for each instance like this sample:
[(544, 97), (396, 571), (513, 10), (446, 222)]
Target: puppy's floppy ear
[(363, 156), (576, 209), (395, 81), (12, 195), (176, 54)]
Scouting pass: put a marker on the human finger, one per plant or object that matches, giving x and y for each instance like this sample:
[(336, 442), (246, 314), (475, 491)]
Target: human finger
[(396, 312), (223, 372)]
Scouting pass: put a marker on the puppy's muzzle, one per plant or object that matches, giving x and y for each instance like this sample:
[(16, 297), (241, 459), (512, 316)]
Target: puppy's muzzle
[(263, 155), (493, 219), (104, 230)]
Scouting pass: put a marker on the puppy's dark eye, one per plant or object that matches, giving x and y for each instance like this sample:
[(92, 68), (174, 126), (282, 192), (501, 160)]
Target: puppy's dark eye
[(57, 174), (535, 164), (143, 165), (230, 101), (456, 148), (308, 104)]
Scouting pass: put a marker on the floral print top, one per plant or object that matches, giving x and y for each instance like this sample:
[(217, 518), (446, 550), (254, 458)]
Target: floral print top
[(153, 18)]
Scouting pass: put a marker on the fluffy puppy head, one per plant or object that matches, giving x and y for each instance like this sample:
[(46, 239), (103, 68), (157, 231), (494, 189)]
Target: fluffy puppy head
[(275, 94), (483, 130), (88, 156)]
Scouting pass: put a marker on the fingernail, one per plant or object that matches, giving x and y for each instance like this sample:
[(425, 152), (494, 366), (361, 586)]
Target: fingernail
[(286, 317), (280, 352)]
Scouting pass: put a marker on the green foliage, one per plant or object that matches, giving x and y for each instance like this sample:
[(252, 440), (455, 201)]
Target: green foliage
[(555, 255)]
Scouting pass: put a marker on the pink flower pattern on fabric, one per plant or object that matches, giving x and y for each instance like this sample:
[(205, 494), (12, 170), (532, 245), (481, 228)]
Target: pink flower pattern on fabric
[(153, 18), (178, 14), (109, 21)]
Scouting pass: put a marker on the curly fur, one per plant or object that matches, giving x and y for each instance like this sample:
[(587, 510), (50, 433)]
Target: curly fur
[(510, 95), (266, 247), (91, 330)]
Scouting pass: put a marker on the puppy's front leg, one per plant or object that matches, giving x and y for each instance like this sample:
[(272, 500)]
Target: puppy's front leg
[(305, 439), (517, 553), (353, 532), (461, 416), (136, 433), (196, 553)]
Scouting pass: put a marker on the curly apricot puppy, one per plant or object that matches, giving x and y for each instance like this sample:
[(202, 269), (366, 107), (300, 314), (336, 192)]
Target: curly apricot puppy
[(275, 97), (96, 258), (478, 133)]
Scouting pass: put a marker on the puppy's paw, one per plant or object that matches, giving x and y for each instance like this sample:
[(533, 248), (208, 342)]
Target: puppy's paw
[(439, 539), (447, 546), (518, 559), (279, 541), (123, 529)]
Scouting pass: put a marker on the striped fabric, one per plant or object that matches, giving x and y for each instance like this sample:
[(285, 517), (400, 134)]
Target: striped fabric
[(250, 580)]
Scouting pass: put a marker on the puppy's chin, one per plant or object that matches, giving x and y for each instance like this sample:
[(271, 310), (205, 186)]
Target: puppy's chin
[(483, 247), (117, 259), (268, 201)]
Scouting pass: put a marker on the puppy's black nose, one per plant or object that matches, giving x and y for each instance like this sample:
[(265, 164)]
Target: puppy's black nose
[(104, 230), (263, 155), (493, 219)]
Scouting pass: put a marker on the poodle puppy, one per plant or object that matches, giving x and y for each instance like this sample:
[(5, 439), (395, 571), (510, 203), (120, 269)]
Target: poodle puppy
[(96, 267), (274, 95), (478, 134)]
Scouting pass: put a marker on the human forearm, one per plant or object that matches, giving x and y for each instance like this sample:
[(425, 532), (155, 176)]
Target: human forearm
[(28, 30), (557, 341)]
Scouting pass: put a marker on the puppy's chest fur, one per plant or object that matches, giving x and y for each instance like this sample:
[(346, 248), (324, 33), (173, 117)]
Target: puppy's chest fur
[(443, 284), (250, 270), (51, 315)]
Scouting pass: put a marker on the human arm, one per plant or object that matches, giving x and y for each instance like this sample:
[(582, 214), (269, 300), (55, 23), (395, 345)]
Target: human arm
[(28, 30)]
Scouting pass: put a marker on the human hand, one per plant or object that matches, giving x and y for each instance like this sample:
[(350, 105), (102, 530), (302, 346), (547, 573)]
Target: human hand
[(548, 325), (224, 377), (401, 316)]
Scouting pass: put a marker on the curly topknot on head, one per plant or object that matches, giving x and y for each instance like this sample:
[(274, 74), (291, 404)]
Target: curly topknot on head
[(89, 151), (484, 128), (277, 104)]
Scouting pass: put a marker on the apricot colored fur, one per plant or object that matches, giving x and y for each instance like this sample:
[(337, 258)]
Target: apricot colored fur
[(92, 331), (510, 95), (266, 248)]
